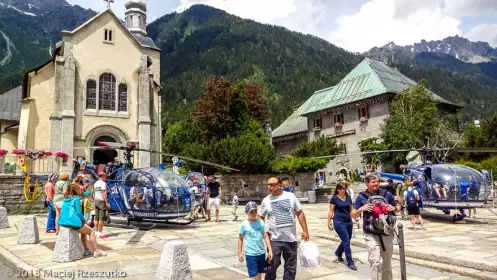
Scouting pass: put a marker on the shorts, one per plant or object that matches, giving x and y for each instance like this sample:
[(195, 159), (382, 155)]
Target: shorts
[(58, 204), (100, 210), (87, 215), (256, 265), (214, 202), (413, 210)]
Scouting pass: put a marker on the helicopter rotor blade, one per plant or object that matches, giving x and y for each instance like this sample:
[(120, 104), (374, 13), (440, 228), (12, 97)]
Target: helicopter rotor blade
[(190, 159), (476, 150), (367, 153)]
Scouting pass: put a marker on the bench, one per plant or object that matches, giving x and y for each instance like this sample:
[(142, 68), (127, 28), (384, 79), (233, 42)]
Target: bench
[(247, 199), (303, 199)]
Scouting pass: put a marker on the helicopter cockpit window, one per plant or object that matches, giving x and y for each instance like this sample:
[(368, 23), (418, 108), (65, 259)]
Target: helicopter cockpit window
[(458, 182), (139, 191), (171, 191)]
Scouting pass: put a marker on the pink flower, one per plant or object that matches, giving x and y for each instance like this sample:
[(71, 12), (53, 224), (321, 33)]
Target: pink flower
[(3, 153), (19, 152)]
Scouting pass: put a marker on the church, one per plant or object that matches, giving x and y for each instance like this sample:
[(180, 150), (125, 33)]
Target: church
[(102, 83)]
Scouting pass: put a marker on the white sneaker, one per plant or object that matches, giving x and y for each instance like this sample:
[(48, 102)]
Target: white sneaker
[(98, 233), (99, 254)]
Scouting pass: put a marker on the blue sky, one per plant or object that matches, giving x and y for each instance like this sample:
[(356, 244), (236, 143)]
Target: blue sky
[(356, 25)]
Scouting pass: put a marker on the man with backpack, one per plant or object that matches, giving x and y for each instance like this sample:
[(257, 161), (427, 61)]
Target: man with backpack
[(378, 209)]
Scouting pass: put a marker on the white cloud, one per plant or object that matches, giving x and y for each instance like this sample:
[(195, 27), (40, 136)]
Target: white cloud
[(265, 11), (461, 8), (483, 32), (378, 23)]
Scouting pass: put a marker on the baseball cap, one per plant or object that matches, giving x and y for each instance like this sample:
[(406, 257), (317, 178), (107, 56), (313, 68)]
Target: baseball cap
[(251, 205)]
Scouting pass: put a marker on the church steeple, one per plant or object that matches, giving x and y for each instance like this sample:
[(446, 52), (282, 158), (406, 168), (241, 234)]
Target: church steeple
[(136, 16)]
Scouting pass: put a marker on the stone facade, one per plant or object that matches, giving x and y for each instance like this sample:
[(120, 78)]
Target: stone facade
[(255, 185), (350, 133), (12, 197)]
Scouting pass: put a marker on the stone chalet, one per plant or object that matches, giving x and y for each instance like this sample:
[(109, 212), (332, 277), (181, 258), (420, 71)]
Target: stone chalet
[(349, 112)]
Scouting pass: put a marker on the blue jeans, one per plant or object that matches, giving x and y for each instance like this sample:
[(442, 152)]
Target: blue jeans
[(51, 217), (344, 231)]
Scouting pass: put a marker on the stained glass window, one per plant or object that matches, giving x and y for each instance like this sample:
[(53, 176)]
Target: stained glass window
[(123, 98), (107, 92), (91, 94)]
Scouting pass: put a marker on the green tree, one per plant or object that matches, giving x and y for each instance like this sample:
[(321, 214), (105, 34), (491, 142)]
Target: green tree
[(369, 145), (322, 146), (225, 106), (179, 135), (413, 121)]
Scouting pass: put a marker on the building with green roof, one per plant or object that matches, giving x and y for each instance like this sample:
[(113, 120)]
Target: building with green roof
[(350, 111)]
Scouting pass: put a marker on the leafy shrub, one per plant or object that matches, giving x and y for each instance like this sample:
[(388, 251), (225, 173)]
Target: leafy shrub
[(322, 146), (292, 165)]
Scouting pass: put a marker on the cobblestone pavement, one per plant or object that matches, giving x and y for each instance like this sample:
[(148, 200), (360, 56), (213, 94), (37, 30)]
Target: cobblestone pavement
[(213, 249)]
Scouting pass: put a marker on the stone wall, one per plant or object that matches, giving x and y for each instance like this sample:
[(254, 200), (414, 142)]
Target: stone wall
[(12, 196), (255, 185)]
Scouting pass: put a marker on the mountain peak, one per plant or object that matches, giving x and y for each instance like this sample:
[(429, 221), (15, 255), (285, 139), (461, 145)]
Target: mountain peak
[(33, 7), (456, 46)]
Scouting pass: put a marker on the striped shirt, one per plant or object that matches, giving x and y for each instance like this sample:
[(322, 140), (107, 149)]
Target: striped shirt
[(279, 212)]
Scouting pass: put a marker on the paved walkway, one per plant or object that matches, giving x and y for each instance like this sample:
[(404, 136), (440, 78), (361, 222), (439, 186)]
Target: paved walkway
[(213, 249)]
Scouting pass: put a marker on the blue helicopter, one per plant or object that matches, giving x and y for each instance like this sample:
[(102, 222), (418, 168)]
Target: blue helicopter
[(147, 194), (442, 186)]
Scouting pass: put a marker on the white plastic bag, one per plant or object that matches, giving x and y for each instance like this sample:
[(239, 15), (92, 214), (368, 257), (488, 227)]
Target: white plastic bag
[(309, 254)]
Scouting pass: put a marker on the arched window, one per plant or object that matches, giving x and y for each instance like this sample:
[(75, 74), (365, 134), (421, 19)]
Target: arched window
[(107, 92), (91, 94), (123, 97)]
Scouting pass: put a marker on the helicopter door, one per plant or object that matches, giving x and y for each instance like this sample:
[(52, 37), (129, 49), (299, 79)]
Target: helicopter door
[(487, 176)]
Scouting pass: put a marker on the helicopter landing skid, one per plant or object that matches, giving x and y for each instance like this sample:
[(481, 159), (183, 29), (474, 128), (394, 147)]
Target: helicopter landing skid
[(169, 222)]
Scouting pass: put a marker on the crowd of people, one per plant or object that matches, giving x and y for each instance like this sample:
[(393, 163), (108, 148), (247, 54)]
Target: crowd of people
[(269, 233), (79, 205)]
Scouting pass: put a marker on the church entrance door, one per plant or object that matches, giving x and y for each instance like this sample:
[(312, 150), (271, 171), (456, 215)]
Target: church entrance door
[(101, 156)]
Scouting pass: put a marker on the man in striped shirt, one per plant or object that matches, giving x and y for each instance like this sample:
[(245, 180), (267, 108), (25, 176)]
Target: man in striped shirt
[(279, 209)]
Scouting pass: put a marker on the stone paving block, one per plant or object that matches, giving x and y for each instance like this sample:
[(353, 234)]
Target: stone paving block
[(68, 246), (174, 263), (4, 220), (29, 231)]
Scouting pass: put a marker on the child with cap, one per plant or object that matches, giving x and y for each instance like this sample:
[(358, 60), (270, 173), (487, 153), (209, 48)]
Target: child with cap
[(254, 234), (87, 205)]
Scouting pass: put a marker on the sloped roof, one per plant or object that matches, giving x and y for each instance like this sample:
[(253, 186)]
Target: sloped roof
[(141, 40), (296, 123), (368, 79), (10, 104)]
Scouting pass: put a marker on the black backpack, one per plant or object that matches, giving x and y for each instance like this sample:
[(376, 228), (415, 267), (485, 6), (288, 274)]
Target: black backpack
[(411, 198)]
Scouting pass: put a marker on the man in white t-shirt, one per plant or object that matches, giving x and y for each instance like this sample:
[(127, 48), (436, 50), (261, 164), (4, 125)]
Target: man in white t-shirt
[(101, 204), (279, 209)]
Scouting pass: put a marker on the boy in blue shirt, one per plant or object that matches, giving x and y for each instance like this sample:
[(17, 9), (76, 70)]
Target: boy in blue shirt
[(254, 234)]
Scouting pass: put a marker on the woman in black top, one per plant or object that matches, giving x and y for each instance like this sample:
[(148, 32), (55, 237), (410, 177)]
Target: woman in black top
[(340, 208)]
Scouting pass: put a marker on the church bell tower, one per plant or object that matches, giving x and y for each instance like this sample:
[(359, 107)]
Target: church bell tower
[(136, 16)]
